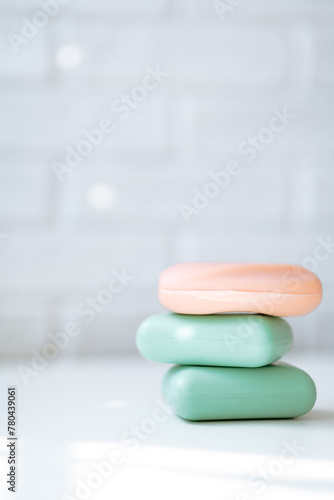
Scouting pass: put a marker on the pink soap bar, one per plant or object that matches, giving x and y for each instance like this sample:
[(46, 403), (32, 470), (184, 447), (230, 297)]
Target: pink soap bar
[(220, 287)]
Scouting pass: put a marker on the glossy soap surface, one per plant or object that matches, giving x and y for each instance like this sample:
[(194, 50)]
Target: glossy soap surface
[(214, 393), (218, 287), (245, 340)]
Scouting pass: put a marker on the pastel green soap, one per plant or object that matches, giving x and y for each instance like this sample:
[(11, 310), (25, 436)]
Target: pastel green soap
[(216, 393), (244, 340)]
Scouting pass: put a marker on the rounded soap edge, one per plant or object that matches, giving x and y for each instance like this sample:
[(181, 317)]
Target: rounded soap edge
[(312, 393)]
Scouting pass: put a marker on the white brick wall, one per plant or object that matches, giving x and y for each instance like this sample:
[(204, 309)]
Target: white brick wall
[(225, 78)]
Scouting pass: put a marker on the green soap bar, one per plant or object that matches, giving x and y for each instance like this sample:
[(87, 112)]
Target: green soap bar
[(247, 340), (216, 393)]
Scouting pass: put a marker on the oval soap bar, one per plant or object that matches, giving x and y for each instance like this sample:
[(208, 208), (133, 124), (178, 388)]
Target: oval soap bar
[(215, 287), (247, 340), (212, 393)]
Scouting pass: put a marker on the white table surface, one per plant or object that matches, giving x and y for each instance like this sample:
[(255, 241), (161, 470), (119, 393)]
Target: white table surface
[(76, 411)]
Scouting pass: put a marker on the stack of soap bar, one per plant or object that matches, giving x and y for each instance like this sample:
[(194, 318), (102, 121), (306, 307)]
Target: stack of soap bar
[(225, 360)]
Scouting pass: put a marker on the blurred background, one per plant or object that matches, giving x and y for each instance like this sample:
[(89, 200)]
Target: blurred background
[(121, 121), (186, 85)]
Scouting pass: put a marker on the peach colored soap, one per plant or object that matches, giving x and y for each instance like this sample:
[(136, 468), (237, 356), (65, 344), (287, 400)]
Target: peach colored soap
[(221, 287)]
